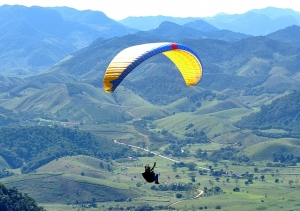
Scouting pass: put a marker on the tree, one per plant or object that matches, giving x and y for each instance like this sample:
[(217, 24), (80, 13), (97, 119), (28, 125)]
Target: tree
[(191, 166), (192, 176), (236, 189), (218, 207), (178, 195), (198, 153)]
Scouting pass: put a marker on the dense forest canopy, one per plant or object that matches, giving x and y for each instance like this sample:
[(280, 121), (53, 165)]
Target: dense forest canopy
[(13, 200), (38, 145), (282, 113)]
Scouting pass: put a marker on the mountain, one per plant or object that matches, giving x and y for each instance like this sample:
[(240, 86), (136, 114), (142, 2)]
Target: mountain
[(96, 20), (173, 31), (34, 38), (289, 34), (252, 69), (256, 22), (201, 25), (217, 53), (274, 13), (146, 23), (246, 68)]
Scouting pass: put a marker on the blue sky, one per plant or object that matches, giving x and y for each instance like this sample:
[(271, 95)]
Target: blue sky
[(120, 9)]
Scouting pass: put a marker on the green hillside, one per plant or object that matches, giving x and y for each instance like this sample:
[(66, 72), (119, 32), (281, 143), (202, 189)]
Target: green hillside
[(61, 188), (178, 124), (265, 150)]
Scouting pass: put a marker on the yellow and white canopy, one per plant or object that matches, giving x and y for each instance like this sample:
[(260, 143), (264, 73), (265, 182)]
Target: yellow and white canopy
[(187, 62)]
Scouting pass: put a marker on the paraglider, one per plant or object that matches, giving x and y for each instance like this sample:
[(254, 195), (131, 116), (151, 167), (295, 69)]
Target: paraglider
[(185, 59), (149, 174)]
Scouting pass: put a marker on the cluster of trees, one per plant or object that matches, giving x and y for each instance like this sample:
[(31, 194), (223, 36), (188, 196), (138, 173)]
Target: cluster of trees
[(289, 159), (227, 153), (196, 137), (39, 145), (145, 207), (212, 191), (173, 187), (12, 199)]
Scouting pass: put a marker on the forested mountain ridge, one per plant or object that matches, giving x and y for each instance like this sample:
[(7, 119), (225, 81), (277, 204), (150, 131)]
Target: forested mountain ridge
[(288, 35), (31, 147), (283, 113)]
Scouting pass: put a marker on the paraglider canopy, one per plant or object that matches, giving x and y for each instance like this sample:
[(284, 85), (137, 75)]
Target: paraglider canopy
[(186, 60)]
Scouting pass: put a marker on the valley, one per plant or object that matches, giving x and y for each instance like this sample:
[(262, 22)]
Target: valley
[(231, 142)]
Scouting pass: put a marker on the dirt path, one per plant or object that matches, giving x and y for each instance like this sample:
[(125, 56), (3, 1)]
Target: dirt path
[(147, 150), (88, 114), (134, 116), (200, 192), (145, 136), (165, 157)]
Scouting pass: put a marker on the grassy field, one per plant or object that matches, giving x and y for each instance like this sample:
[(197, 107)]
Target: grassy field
[(261, 195), (66, 183), (178, 123), (62, 180)]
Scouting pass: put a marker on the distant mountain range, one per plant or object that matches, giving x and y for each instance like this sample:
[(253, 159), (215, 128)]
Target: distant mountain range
[(254, 22), (246, 69), (238, 67), (33, 39)]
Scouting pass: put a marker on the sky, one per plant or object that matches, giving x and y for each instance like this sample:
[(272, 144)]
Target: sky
[(120, 9)]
